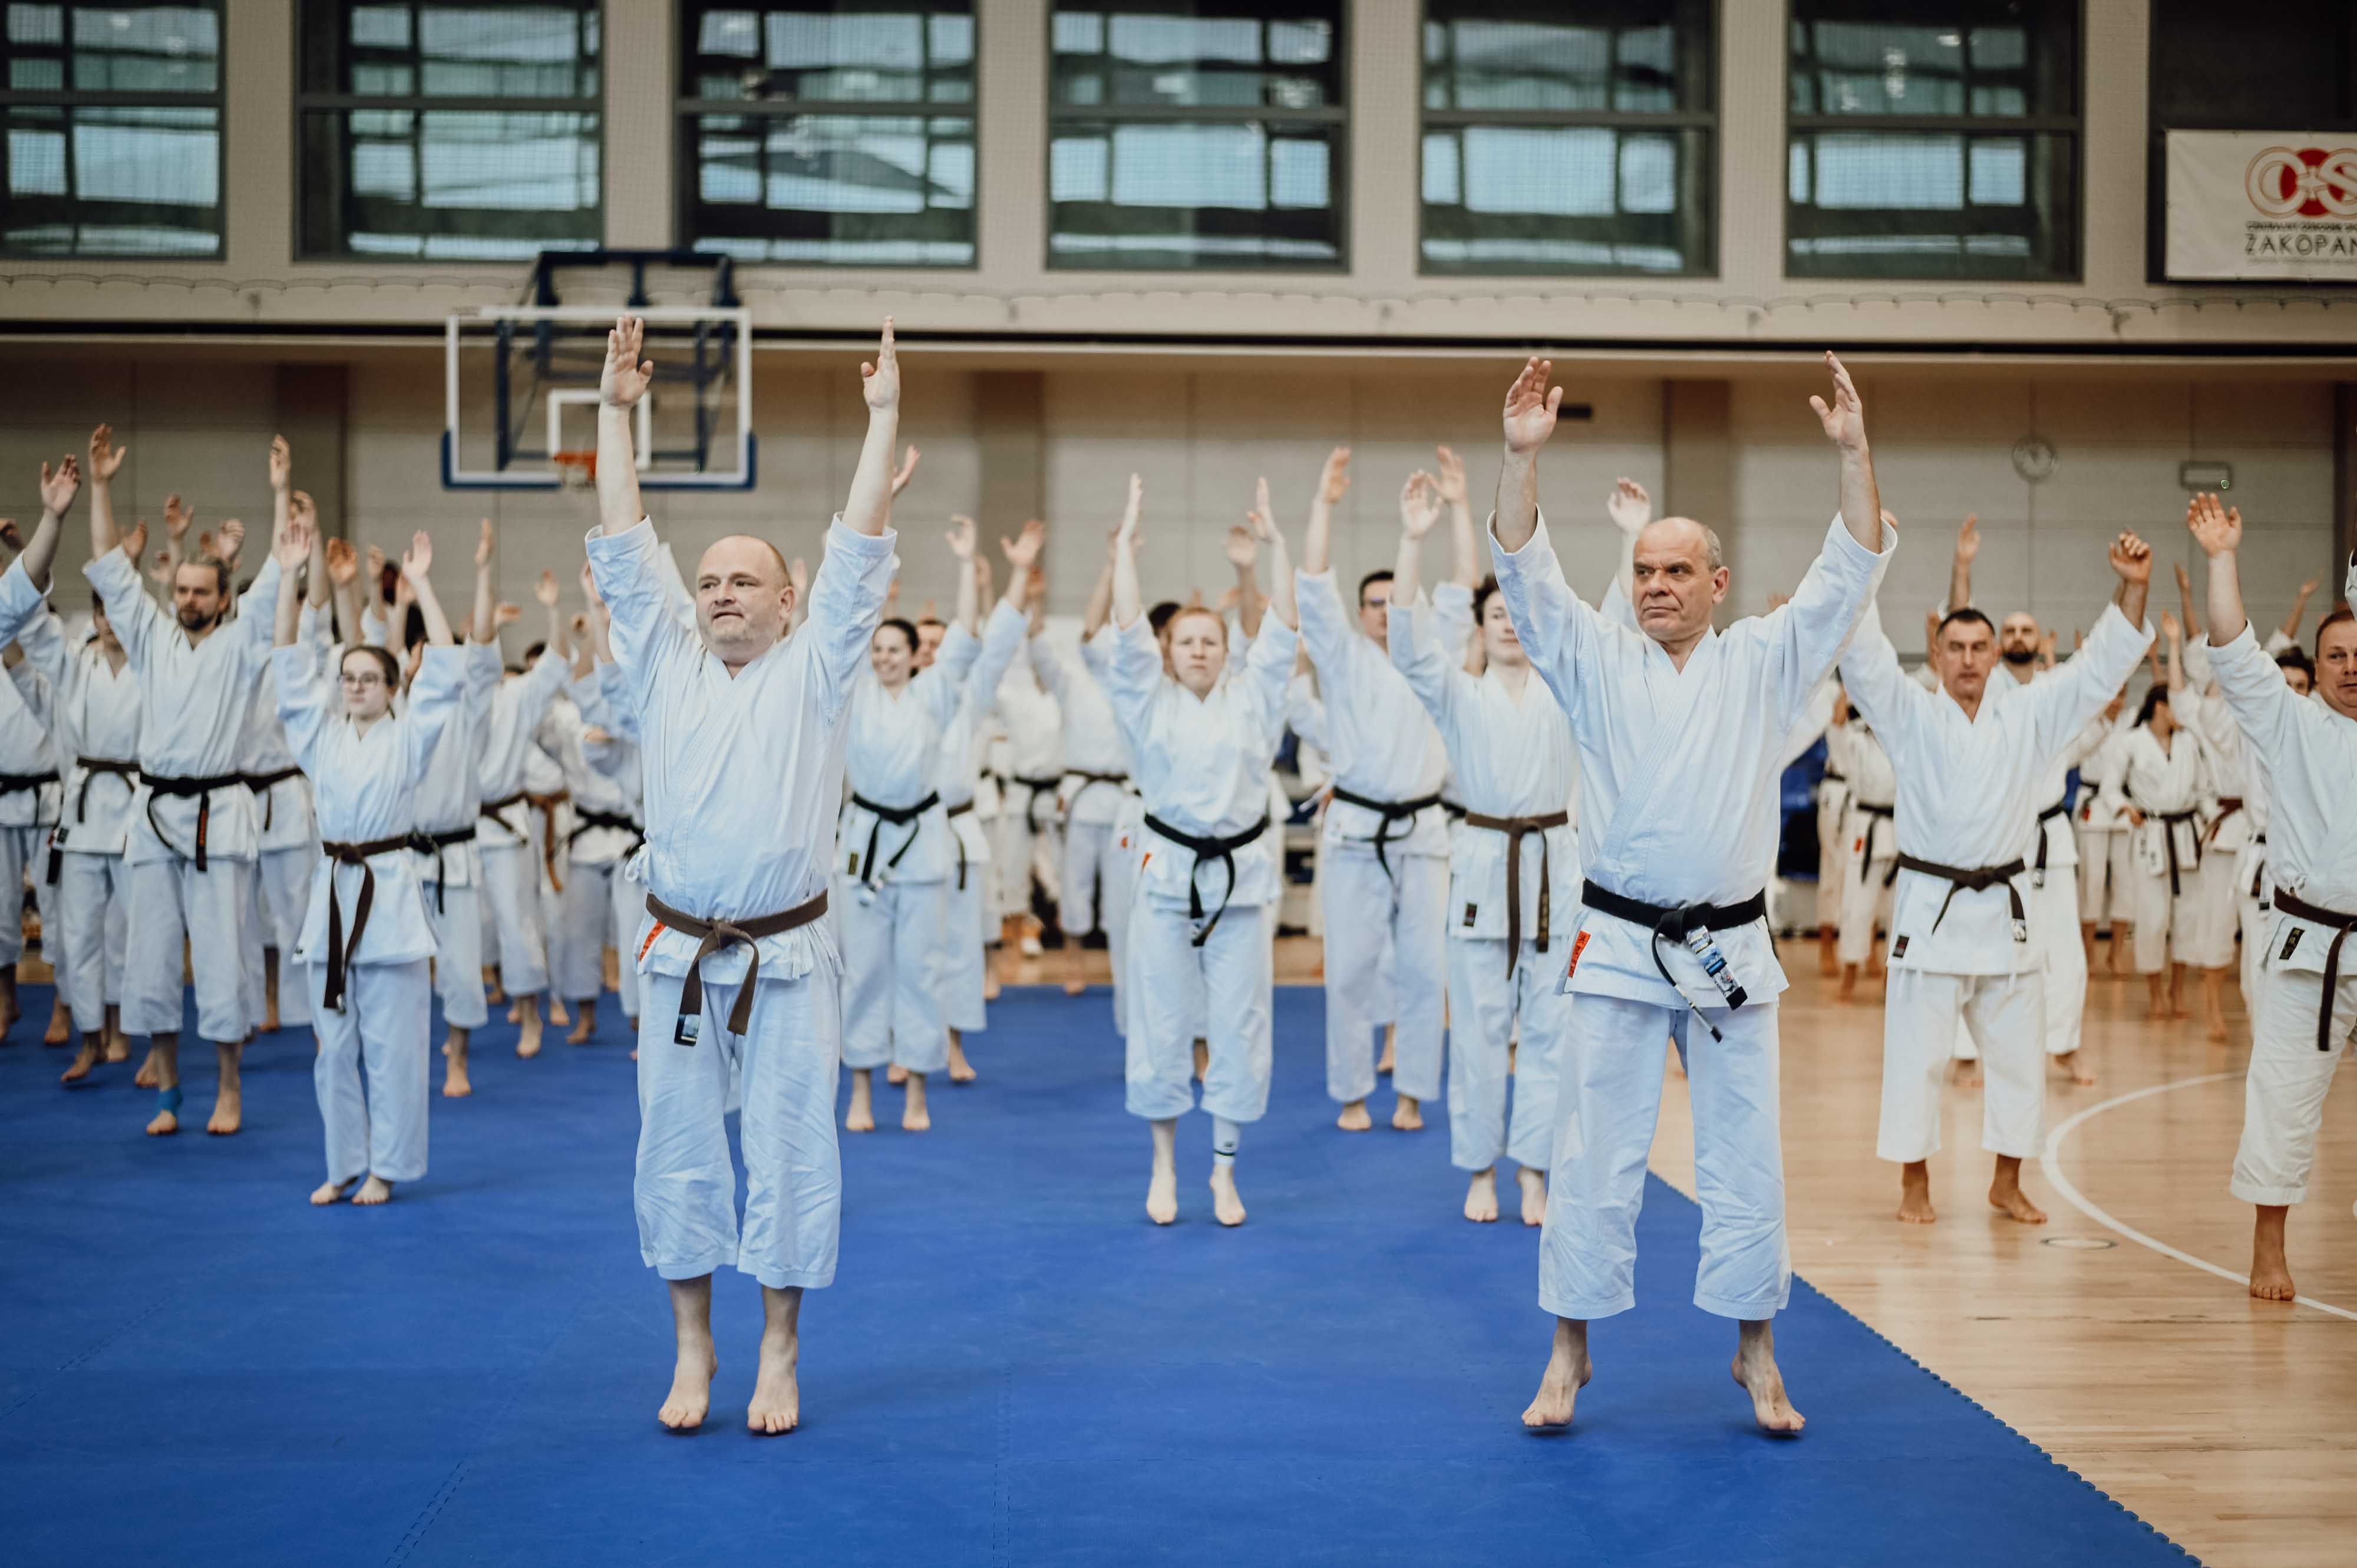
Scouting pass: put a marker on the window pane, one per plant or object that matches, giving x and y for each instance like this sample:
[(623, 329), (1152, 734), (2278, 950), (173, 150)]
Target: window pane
[(449, 185), (113, 182), (1179, 195), (1197, 54), (1569, 199), (165, 49), (810, 190), (546, 49), (1931, 204), (829, 51), (1623, 56), (1935, 57)]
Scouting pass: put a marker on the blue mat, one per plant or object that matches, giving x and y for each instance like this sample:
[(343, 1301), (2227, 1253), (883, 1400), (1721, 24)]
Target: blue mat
[(196, 1367)]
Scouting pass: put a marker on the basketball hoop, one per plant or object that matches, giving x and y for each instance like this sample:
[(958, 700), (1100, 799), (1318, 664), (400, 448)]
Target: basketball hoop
[(577, 470)]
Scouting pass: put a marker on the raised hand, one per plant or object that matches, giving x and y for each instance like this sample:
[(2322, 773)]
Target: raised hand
[(418, 560), (2168, 627), (232, 534), (294, 547), (487, 546), (1844, 419), (1420, 502), (1931, 629), (343, 563), (905, 472), (177, 519), (545, 590), (2046, 646), (2131, 557), (404, 593), (2216, 528), (60, 486), (105, 456), (879, 383), (589, 587), (1261, 519), (506, 614), (1778, 601), (2309, 587), (626, 376), (1334, 478), (1242, 550), (282, 464), (1129, 528), (1969, 538), (1023, 551), (1452, 477), (1629, 506), (1530, 407), (960, 537)]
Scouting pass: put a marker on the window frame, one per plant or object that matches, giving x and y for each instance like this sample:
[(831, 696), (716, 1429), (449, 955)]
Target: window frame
[(686, 110), (68, 100), (1337, 116), (2074, 125), (1708, 121), (305, 103)]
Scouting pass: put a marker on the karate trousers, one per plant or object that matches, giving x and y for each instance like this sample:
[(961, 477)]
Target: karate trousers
[(1866, 900), (1607, 1098), (2282, 1094), (1485, 1005), (1832, 855), (2252, 917), (627, 918), (2106, 872), (457, 926), (964, 911), (1920, 1015), (384, 1025), (171, 902), (685, 1189), (1018, 856), (24, 851), (1372, 916), (2210, 942), (92, 910), (1180, 990), (1120, 906), (892, 934), (2054, 931), (1088, 854), (511, 891), (281, 898), (576, 943)]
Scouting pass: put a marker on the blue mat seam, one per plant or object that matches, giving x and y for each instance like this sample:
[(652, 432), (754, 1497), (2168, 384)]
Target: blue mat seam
[(88, 1353)]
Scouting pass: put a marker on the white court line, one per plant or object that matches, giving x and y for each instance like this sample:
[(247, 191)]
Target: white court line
[(2052, 1162)]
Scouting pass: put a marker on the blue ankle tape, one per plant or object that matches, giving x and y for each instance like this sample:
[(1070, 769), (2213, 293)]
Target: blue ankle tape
[(169, 1099)]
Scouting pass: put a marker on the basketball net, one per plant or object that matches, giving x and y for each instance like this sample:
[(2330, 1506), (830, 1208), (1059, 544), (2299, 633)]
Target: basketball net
[(577, 470)]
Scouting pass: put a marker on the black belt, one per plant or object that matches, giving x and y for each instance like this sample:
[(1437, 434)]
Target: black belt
[(1516, 828), (1391, 812), (1972, 879), (262, 784), (2169, 835), (433, 844), (2301, 908), (716, 935), (1880, 815), (1452, 810), (1039, 786), (91, 767), (2038, 868), (340, 951), (202, 789), (2258, 876), (1225, 850), (18, 783), (491, 808), (1663, 919), (898, 816), (583, 821), (961, 809)]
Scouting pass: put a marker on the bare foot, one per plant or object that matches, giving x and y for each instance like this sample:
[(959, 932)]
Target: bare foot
[(691, 1388), (914, 1117), (60, 1026), (579, 1034), (1567, 1371), (2272, 1282), (374, 1191), (455, 1084), (1407, 1116), (2011, 1202), (146, 1077), (1162, 1195), (2216, 1033), (84, 1059), (1203, 1059), (1354, 1117), (558, 1012), (1072, 988), (118, 1049), (164, 1126), (1226, 1207), (896, 1074), (1757, 1374), (1965, 1073), (1481, 1197), (1384, 1066), (1534, 1195), (961, 1069), (515, 1010), (528, 1042), (327, 1192), (2270, 1269), (270, 1015), (1915, 1195), (777, 1406), (228, 1113), (2076, 1065), (1849, 991), (861, 1116)]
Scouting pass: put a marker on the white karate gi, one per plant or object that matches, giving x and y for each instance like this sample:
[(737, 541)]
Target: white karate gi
[(599, 839), (1833, 840), (891, 884), (96, 721), (617, 756), (508, 856), (965, 902), (1509, 757), (742, 776), (449, 801), (365, 791), (1204, 769), (2167, 909), (1096, 772), (2104, 847), (1970, 790), (1382, 903), (1868, 843), (192, 702), (29, 789), (1678, 774), (2227, 828), (2307, 755), (1027, 847), (288, 848)]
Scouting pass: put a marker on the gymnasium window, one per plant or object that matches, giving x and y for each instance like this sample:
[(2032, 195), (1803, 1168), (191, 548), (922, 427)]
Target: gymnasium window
[(1197, 134), (829, 132), (454, 132), (113, 117), (1933, 139), (1569, 136)]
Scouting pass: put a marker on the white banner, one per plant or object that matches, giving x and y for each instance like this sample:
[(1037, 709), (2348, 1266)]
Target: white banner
[(2263, 204)]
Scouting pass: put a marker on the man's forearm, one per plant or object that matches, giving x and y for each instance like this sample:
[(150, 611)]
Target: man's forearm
[(1518, 498), (869, 509), (1861, 501), (1960, 581), (103, 537), (2226, 616), (1407, 570), (618, 509), (1093, 615), (41, 550), (2131, 598)]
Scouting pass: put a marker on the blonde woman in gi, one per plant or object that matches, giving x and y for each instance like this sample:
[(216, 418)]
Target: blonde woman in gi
[(1204, 748)]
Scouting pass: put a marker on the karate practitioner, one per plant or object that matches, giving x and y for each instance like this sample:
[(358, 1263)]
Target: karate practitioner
[(28, 796), (2103, 844), (193, 821), (25, 615), (1094, 793), (1209, 871), (1681, 731), (1513, 870), (510, 854), (1384, 878), (2303, 1017), (1868, 860), (1833, 846), (365, 942), (2158, 791), (2226, 828), (287, 850), (1029, 829), (743, 767), (1973, 762), (97, 725)]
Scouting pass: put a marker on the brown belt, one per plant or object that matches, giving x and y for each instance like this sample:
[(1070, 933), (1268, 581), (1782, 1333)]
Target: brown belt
[(262, 785), (717, 934), (339, 950), (2227, 806), (1516, 828), (546, 805)]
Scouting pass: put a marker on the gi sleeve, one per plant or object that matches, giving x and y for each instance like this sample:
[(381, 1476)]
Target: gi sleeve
[(621, 708), (647, 636), (1877, 688), (1269, 667), (1048, 668), (1451, 618), (1557, 629), (20, 602), (1804, 637), (434, 699), (136, 619), (1617, 608), (2078, 691), (1002, 639), (2277, 642), (1132, 680), (1812, 724), (257, 617), (1324, 632), (43, 637), (1304, 713), (846, 602), (302, 700), (1415, 649), (2253, 689)]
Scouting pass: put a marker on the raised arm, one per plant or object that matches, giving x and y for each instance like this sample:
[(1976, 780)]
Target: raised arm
[(2074, 694), (105, 458), (1630, 510), (1420, 503), (2185, 602), (344, 584), (416, 567), (2174, 639), (482, 625), (1281, 600), (282, 480), (1333, 484), (57, 490), (1960, 567), (624, 381), (2218, 530), (2299, 612), (960, 538), (1530, 413), (1845, 423), (1464, 558), (1243, 554), (2132, 560), (1099, 602), (550, 596), (177, 520), (869, 507), (1126, 606), (1022, 554), (291, 550)]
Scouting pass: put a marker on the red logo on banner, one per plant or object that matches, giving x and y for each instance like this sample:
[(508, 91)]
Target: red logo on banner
[(2304, 182)]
